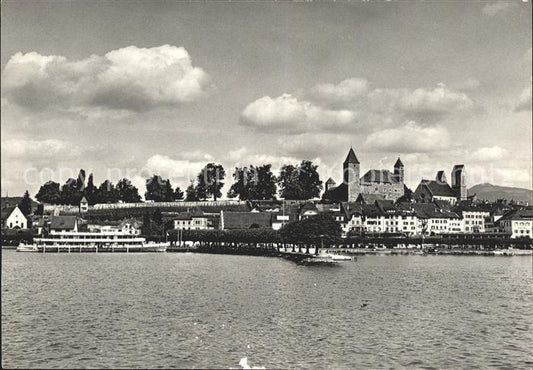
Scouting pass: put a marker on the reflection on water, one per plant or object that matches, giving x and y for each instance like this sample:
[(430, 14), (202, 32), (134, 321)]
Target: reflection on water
[(198, 310)]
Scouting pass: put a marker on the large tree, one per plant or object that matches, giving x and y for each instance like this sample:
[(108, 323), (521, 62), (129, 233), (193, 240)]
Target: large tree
[(240, 187), (70, 194), (90, 191), (301, 182), (126, 192), (49, 193), (178, 194), (25, 204), (316, 230), (107, 193), (265, 183), (152, 224), (191, 193), (159, 190), (253, 183), (210, 181)]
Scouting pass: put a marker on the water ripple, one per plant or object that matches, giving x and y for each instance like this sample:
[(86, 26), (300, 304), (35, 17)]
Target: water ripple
[(207, 311)]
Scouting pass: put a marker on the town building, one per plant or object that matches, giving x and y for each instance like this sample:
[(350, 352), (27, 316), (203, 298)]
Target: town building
[(63, 223), (279, 220), (192, 221), (518, 223), (13, 218), (433, 220), (84, 205), (473, 217), (439, 189), (354, 215), (383, 182), (126, 226), (245, 220)]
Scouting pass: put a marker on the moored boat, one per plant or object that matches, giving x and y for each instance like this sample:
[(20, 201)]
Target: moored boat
[(113, 241), (27, 248)]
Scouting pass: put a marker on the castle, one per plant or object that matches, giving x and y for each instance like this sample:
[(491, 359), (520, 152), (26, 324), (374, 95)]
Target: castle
[(376, 182)]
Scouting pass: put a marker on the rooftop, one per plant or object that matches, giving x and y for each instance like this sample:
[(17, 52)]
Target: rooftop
[(351, 157), (439, 189), (246, 220), (63, 222), (379, 176)]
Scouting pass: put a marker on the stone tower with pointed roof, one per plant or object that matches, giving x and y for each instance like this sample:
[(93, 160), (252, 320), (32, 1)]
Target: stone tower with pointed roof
[(376, 182), (330, 184), (351, 175), (398, 170)]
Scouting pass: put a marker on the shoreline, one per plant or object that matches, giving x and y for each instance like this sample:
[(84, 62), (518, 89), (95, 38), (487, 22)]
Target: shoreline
[(272, 252)]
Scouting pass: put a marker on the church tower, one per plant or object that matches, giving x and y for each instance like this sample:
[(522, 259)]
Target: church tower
[(351, 176), (459, 182), (398, 170)]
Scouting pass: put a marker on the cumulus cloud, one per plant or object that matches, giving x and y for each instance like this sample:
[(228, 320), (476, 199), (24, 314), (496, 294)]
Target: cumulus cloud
[(524, 101), (244, 157), (409, 138), (496, 8), (313, 145), (130, 78), (346, 92), (288, 113), (326, 107), (195, 155), (176, 169), (487, 154), (28, 150), (437, 101)]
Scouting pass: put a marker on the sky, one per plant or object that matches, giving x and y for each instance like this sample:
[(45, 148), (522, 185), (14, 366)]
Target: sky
[(131, 89)]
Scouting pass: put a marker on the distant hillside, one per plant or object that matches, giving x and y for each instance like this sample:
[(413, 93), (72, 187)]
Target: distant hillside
[(493, 192), (13, 201)]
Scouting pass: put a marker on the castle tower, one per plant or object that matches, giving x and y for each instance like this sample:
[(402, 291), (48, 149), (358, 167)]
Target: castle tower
[(350, 169), (330, 184), (441, 177), (398, 170), (459, 181)]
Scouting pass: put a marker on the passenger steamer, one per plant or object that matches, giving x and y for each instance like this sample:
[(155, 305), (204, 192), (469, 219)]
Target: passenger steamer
[(93, 241)]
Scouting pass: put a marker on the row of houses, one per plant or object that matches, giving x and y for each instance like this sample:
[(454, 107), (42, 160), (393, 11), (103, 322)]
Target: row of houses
[(380, 217), (371, 214)]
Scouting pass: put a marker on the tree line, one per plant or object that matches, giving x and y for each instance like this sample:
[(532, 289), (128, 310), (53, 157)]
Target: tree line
[(250, 183)]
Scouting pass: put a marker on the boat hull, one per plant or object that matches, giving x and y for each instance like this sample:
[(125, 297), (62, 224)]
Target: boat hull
[(27, 248), (144, 248)]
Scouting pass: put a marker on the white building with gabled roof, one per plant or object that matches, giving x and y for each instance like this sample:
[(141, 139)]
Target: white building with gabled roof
[(13, 218)]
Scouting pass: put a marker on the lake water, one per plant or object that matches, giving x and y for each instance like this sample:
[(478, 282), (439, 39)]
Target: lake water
[(209, 311)]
